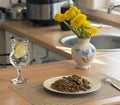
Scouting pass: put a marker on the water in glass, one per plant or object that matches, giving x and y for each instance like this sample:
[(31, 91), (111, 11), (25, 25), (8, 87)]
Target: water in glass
[(19, 57)]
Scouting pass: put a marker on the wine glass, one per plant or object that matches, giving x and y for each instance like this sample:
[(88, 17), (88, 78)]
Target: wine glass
[(19, 57)]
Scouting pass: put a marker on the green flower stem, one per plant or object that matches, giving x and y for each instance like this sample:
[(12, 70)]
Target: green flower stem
[(70, 27), (80, 32)]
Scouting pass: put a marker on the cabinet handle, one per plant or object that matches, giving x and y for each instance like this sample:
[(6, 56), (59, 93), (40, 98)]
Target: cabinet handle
[(7, 64), (4, 54)]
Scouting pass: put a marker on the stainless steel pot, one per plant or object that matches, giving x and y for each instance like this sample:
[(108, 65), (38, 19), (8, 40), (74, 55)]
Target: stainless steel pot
[(43, 12)]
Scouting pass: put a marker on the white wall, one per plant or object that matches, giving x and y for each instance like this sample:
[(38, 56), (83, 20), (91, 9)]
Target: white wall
[(100, 12)]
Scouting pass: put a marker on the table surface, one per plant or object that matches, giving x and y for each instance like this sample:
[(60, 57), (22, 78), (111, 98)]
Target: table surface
[(109, 65)]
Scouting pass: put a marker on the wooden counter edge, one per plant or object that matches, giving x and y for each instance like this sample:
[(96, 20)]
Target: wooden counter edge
[(107, 101)]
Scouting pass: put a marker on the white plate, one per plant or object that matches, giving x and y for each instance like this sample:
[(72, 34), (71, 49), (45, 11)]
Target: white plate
[(95, 85)]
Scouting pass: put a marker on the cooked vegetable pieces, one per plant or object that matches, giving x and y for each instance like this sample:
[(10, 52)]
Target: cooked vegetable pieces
[(73, 83)]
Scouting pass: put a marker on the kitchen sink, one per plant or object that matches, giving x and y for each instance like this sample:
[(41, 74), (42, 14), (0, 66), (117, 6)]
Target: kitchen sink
[(102, 41)]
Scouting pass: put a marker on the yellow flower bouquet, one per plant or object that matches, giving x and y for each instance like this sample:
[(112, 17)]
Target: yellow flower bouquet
[(77, 22)]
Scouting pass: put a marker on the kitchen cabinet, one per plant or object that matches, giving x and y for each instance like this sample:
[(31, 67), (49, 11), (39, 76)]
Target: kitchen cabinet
[(42, 55), (56, 57), (2, 46), (38, 54)]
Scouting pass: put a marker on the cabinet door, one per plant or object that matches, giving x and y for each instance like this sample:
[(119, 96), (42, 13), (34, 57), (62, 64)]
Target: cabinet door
[(2, 46), (38, 53), (56, 57), (42, 55), (52, 57)]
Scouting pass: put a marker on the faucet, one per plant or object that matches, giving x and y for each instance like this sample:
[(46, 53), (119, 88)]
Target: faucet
[(112, 7)]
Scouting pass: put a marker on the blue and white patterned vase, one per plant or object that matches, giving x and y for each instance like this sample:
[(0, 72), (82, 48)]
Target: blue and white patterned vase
[(83, 53)]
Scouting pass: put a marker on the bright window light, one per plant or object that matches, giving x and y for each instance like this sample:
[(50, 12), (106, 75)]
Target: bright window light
[(114, 1)]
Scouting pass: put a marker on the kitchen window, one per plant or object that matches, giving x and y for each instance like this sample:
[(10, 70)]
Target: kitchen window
[(98, 8), (115, 1)]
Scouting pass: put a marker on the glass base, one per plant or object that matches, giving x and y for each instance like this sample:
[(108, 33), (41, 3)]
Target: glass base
[(19, 80)]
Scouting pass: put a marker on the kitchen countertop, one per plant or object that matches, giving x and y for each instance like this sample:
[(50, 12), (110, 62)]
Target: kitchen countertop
[(48, 36)]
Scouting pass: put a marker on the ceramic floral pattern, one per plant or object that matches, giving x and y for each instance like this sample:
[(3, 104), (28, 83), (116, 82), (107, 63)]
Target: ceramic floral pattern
[(86, 55)]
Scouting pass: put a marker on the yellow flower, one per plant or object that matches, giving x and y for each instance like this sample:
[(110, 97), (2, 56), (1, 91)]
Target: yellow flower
[(92, 31), (86, 23), (74, 8), (78, 20), (60, 17), (72, 12)]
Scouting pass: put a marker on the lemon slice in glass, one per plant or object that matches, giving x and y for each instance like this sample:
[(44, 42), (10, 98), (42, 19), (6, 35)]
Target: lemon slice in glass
[(20, 50)]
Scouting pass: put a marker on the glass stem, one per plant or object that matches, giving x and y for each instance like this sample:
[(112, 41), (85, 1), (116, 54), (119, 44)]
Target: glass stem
[(19, 70)]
